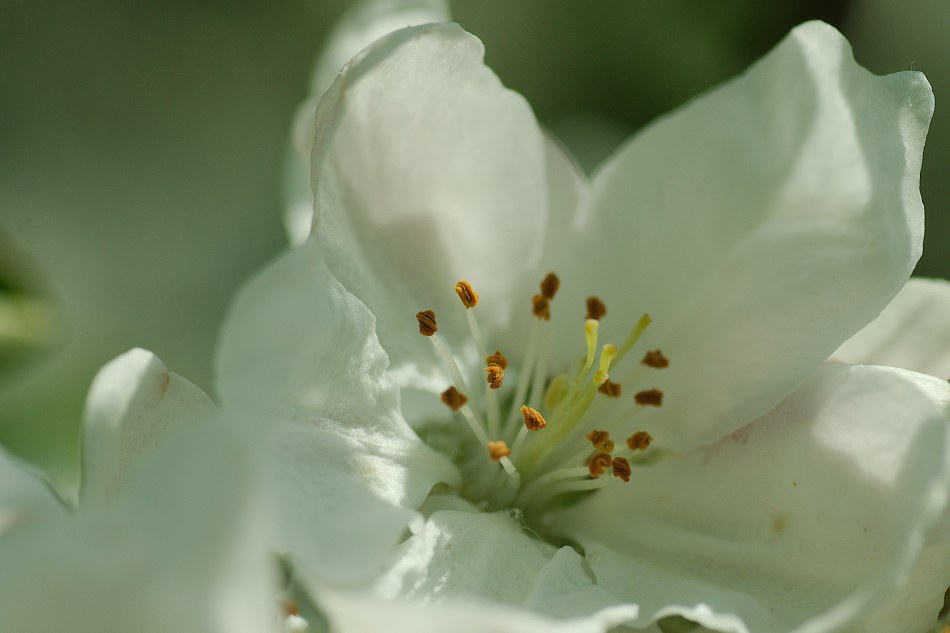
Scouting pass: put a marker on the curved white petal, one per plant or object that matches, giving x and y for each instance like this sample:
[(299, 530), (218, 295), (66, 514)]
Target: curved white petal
[(426, 170), (365, 614), (25, 495), (912, 332), (362, 24), (760, 225), (801, 521), (299, 353), (133, 404), (182, 548), (471, 556)]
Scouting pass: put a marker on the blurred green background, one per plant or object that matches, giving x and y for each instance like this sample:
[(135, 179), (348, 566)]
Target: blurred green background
[(141, 147)]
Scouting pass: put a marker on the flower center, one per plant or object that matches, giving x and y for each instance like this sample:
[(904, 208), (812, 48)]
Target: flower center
[(547, 441)]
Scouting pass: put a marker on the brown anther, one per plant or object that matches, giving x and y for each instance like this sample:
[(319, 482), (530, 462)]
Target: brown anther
[(601, 441), (453, 398), (595, 308), (426, 319), (540, 307), (621, 468), (498, 449), (610, 389), (497, 359), (467, 294), (549, 286), (598, 463), (289, 608), (639, 441), (655, 359), (652, 397), (533, 418), (496, 373)]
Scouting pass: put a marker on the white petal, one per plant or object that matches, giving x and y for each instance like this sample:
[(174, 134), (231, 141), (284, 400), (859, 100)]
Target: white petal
[(799, 521), (25, 495), (912, 332), (363, 614), (133, 404), (426, 170), (464, 555), (181, 549), (760, 226), (358, 28), (296, 346)]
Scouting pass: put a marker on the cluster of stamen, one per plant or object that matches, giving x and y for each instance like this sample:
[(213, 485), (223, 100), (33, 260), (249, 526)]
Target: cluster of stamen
[(537, 471)]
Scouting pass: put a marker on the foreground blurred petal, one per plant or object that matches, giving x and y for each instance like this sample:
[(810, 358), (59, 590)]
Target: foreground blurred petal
[(828, 497), (912, 332), (25, 495), (182, 548), (759, 227), (298, 355), (133, 403)]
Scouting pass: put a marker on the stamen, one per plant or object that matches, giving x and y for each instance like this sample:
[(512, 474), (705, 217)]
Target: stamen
[(498, 449), (634, 336), (453, 399), (607, 354), (621, 468), (496, 373), (650, 397), (427, 326), (639, 441), (598, 464), (655, 359), (533, 420), (610, 389), (549, 286), (595, 308), (556, 391), (540, 307), (601, 441), (467, 294), (497, 359)]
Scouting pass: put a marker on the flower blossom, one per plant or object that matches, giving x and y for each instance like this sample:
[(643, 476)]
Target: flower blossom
[(648, 432)]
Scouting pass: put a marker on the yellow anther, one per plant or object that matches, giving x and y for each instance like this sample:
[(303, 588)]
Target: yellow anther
[(498, 449), (454, 399), (650, 397), (533, 420), (426, 319), (655, 359), (607, 354), (497, 359), (466, 294), (549, 286), (639, 441), (496, 374), (620, 467), (595, 308), (598, 464)]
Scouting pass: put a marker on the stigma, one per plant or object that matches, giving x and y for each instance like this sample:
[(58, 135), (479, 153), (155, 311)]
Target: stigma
[(545, 435)]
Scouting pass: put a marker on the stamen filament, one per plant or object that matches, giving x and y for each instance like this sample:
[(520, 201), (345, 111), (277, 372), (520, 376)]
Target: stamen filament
[(634, 336), (550, 478), (591, 329), (449, 361), (540, 371), (524, 378), (475, 425)]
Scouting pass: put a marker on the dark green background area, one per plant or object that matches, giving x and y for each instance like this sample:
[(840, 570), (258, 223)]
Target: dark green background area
[(141, 146)]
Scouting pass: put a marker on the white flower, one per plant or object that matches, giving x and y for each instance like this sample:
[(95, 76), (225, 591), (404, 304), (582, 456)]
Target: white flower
[(759, 226)]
